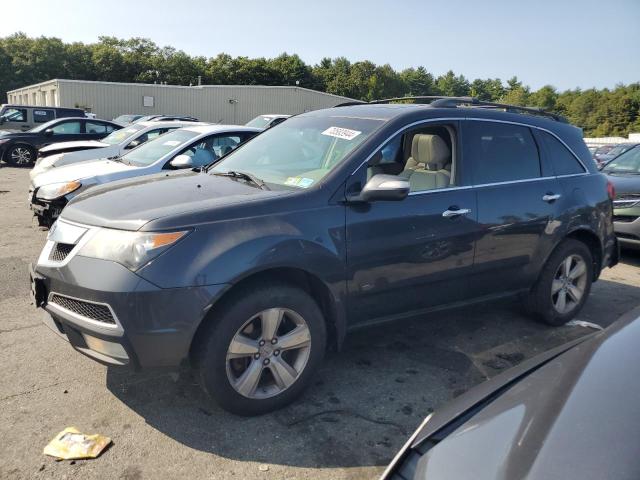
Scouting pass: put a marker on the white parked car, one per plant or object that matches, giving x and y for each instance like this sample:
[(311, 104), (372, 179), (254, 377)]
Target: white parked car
[(189, 147), (113, 145), (267, 121)]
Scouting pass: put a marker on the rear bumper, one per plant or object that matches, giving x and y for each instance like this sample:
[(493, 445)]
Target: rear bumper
[(145, 326)]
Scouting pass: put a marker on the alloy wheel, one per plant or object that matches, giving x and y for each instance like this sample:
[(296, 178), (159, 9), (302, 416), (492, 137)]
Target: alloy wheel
[(569, 284), (268, 353), (21, 156)]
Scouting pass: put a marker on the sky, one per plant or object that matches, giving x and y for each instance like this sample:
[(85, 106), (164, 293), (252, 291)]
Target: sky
[(564, 43)]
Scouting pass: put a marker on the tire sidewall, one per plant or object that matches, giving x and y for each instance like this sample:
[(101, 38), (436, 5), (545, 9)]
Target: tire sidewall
[(543, 295), (212, 365), (10, 161)]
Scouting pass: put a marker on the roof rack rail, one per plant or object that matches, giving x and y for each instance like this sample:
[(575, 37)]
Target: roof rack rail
[(439, 101), (453, 102)]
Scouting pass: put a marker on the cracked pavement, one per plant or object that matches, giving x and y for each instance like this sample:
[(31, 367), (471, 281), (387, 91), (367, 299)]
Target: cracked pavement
[(364, 403)]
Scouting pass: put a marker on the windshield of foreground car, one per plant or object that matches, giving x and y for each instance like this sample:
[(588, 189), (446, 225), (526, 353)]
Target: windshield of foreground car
[(628, 162), (153, 150), (300, 152), (118, 136)]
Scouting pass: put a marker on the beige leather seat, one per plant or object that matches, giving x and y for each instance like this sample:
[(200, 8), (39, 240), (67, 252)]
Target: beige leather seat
[(429, 166)]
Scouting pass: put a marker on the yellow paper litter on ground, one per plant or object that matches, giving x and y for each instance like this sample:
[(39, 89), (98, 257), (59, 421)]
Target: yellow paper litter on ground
[(70, 444)]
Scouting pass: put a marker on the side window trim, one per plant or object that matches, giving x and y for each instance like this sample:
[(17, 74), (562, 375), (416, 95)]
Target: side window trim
[(464, 119)]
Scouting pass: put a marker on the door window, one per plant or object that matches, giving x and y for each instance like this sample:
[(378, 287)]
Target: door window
[(41, 116), (563, 161), (425, 157), (95, 128), (70, 127), (500, 152), (212, 148)]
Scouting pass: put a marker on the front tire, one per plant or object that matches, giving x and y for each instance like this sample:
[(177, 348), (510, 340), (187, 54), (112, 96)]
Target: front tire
[(564, 284), (20, 156), (262, 349)]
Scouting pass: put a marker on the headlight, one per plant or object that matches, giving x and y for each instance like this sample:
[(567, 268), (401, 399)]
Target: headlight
[(54, 191), (131, 249)]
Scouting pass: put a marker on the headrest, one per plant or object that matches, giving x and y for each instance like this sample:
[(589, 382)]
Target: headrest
[(430, 150)]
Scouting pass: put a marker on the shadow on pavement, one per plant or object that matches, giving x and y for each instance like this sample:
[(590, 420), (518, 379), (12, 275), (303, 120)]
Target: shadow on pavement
[(368, 398)]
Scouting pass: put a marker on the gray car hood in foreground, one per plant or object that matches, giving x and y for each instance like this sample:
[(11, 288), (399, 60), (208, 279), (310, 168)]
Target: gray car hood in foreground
[(575, 416), (130, 204)]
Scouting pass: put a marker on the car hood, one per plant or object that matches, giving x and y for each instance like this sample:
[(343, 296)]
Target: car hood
[(54, 147), (573, 416), (625, 183), (79, 171), (130, 204)]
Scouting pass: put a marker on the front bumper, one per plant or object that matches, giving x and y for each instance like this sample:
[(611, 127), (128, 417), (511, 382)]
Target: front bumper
[(628, 232), (46, 211), (149, 326)]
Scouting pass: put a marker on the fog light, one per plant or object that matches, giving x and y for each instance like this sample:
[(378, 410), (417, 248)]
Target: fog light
[(110, 349)]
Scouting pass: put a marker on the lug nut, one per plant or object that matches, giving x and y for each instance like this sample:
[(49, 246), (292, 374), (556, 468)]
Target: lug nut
[(266, 361), (276, 352), (256, 356), (261, 343), (274, 341)]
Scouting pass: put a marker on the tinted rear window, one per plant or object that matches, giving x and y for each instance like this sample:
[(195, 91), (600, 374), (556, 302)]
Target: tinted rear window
[(500, 152), (563, 161)]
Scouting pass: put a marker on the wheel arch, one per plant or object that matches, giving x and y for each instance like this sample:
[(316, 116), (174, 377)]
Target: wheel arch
[(592, 241), (329, 304)]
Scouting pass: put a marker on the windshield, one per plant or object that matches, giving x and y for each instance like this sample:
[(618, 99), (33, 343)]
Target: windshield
[(628, 162), (154, 150), (13, 114), (300, 152), (121, 135), (126, 118), (259, 122), (617, 150)]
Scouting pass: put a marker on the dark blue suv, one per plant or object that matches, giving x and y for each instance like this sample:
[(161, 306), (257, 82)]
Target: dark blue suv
[(251, 268)]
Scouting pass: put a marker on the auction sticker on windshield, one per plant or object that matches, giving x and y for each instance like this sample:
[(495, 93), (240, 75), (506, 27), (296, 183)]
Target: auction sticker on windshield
[(172, 143), (343, 133)]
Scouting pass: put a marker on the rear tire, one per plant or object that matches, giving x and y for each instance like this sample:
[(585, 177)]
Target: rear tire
[(261, 349), (20, 156), (563, 285)]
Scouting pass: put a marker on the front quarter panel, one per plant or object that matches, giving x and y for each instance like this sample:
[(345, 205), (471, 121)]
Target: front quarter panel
[(227, 251)]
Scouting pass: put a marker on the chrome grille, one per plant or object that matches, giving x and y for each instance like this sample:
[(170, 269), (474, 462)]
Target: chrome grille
[(60, 251), (93, 311)]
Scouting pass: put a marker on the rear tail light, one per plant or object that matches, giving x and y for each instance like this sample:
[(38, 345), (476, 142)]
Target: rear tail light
[(611, 190)]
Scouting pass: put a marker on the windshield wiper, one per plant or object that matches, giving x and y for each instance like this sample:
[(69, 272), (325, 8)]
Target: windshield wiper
[(244, 176)]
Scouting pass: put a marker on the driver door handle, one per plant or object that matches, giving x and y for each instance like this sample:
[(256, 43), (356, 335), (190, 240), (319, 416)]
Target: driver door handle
[(455, 213), (550, 197)]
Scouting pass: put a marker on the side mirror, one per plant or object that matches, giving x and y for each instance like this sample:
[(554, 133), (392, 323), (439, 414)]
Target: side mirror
[(133, 144), (182, 161), (48, 132), (383, 187)]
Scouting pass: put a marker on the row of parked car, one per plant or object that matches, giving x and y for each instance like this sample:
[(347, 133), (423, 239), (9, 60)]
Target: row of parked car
[(247, 253)]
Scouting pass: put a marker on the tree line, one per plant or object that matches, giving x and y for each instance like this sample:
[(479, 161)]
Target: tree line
[(25, 60)]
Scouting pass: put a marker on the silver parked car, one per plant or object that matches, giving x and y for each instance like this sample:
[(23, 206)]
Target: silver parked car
[(189, 147), (113, 145)]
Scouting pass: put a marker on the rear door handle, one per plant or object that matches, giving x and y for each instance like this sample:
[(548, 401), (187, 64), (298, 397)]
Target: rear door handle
[(551, 197), (455, 213)]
